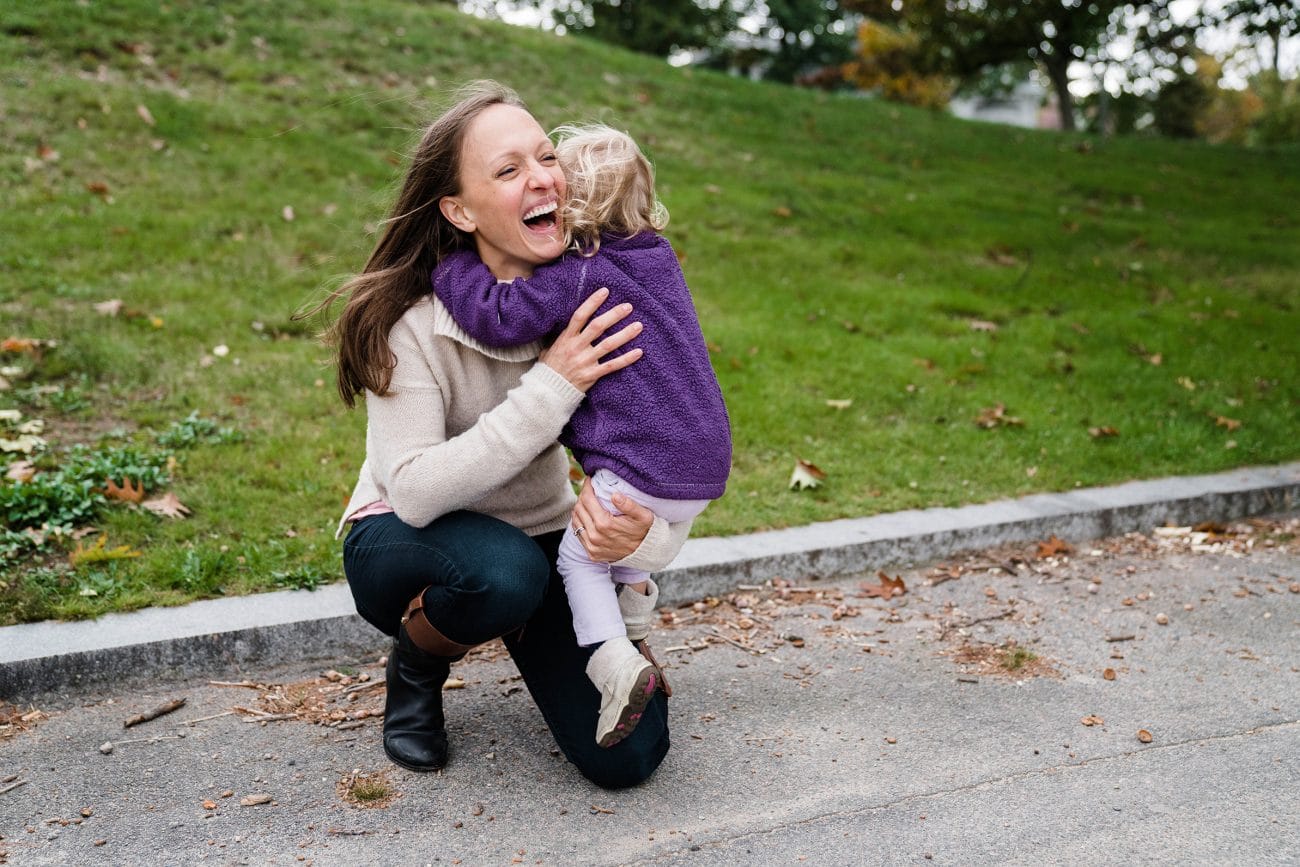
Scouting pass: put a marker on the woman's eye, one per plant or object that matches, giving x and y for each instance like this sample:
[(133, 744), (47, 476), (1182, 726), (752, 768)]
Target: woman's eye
[(549, 158), (508, 170)]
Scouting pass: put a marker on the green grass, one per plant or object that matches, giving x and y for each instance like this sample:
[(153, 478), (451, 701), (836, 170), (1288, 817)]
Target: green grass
[(839, 248)]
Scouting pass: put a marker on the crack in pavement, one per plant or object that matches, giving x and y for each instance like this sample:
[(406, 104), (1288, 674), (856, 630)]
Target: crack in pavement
[(968, 787)]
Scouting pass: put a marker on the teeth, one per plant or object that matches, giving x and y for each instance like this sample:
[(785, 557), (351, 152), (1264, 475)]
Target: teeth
[(547, 208)]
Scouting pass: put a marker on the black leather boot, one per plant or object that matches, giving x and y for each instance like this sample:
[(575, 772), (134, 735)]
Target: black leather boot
[(415, 733)]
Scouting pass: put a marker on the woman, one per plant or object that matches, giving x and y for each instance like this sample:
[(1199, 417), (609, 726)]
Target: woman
[(463, 497)]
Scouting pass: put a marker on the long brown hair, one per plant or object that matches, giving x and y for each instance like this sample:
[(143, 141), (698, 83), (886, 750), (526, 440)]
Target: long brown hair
[(416, 236)]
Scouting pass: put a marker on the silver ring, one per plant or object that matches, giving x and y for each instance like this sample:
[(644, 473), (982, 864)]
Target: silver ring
[(579, 530)]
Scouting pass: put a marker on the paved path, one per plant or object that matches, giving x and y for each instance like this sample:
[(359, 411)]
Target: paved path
[(894, 734)]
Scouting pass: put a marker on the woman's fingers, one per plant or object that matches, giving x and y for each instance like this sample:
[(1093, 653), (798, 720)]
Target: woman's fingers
[(578, 321), (606, 321), (619, 338)]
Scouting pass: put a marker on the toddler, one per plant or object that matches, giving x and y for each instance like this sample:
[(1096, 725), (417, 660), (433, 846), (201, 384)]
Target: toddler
[(656, 431)]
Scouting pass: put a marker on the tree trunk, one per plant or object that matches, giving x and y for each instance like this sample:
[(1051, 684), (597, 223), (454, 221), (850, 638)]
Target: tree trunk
[(1058, 70)]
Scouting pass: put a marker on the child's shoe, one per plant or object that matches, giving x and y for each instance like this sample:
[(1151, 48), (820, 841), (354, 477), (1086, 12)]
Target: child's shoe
[(638, 610), (627, 682)]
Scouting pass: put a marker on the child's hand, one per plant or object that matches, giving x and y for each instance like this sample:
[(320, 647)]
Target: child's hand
[(610, 537)]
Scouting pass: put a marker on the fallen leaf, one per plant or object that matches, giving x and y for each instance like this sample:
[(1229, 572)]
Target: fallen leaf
[(1000, 255), (99, 552), (1098, 433), (168, 506), (20, 344), (209, 805), (254, 800), (109, 308), (287, 213), (782, 211), (995, 416), (595, 809), (99, 188), (839, 404), (806, 475), (1092, 720), (145, 114), (20, 471), (886, 589), (1144, 736), (454, 683), (1054, 546), (1225, 422), (1186, 383), (1156, 360), (982, 325), (127, 492)]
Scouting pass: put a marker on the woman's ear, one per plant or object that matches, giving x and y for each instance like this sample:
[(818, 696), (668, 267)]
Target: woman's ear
[(454, 210)]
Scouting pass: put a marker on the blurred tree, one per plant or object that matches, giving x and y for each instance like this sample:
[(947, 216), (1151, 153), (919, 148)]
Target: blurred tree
[(810, 36), (659, 27), (887, 64), (962, 37), (1276, 19)]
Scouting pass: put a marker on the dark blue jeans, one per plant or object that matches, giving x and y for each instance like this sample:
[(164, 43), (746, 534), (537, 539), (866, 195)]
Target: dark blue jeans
[(487, 579)]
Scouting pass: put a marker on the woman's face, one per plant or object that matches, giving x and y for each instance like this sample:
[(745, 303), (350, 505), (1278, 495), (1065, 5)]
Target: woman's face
[(511, 186)]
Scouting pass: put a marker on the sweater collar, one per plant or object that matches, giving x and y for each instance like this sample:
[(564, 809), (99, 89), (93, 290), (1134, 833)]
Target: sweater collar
[(445, 326)]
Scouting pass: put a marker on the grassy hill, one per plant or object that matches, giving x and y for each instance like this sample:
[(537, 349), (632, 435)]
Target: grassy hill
[(214, 168)]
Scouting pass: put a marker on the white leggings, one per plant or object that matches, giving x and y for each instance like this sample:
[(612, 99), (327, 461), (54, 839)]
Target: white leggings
[(590, 584)]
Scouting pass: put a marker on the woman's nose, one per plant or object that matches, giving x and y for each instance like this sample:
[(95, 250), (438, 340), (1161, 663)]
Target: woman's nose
[(540, 176)]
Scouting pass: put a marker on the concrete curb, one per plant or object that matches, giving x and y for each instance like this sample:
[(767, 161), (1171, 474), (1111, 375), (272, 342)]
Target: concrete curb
[(228, 635)]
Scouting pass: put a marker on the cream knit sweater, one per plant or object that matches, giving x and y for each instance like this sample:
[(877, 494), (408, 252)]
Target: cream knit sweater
[(466, 426)]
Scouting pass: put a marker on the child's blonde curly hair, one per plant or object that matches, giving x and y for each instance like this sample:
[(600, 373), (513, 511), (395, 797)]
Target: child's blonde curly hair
[(611, 186)]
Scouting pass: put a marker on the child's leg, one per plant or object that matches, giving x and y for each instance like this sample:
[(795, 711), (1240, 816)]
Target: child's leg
[(638, 598), (596, 617)]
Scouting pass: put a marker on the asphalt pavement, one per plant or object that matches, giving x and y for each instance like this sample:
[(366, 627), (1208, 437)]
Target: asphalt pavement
[(1126, 700)]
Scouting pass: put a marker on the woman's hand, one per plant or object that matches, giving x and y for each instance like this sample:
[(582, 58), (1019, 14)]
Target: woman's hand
[(576, 354), (610, 537)]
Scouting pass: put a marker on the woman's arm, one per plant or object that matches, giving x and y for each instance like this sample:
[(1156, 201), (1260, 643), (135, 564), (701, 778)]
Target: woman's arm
[(508, 314), (637, 538), (424, 474)]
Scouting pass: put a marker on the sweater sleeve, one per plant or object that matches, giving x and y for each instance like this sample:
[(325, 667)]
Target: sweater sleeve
[(659, 547), (507, 314), (423, 474)]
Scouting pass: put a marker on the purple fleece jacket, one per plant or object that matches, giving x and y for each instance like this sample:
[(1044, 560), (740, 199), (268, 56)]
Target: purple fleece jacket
[(660, 423)]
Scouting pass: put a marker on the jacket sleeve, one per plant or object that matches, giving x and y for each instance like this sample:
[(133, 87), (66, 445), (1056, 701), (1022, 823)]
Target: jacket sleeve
[(507, 314), (659, 547), (422, 473)]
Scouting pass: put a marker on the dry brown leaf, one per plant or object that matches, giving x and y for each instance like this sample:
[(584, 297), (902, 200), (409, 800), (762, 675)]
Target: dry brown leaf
[(167, 506), (995, 416), (886, 589), (145, 114), (20, 471), (1092, 720), (806, 475), (127, 492), (112, 307), (1098, 433), (1054, 546), (1225, 422), (782, 211), (99, 188), (20, 344)]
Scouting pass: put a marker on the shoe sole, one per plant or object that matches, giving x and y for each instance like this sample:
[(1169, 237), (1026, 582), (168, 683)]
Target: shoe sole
[(641, 693)]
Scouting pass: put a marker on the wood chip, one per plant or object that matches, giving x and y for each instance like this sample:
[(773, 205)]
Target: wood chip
[(161, 710)]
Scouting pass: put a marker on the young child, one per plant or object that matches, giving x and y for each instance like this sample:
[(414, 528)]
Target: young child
[(656, 431)]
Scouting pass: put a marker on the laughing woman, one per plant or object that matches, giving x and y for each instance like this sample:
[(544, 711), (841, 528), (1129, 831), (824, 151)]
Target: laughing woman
[(464, 495)]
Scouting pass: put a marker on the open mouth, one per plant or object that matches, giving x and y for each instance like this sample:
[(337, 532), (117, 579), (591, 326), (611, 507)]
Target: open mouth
[(541, 218)]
